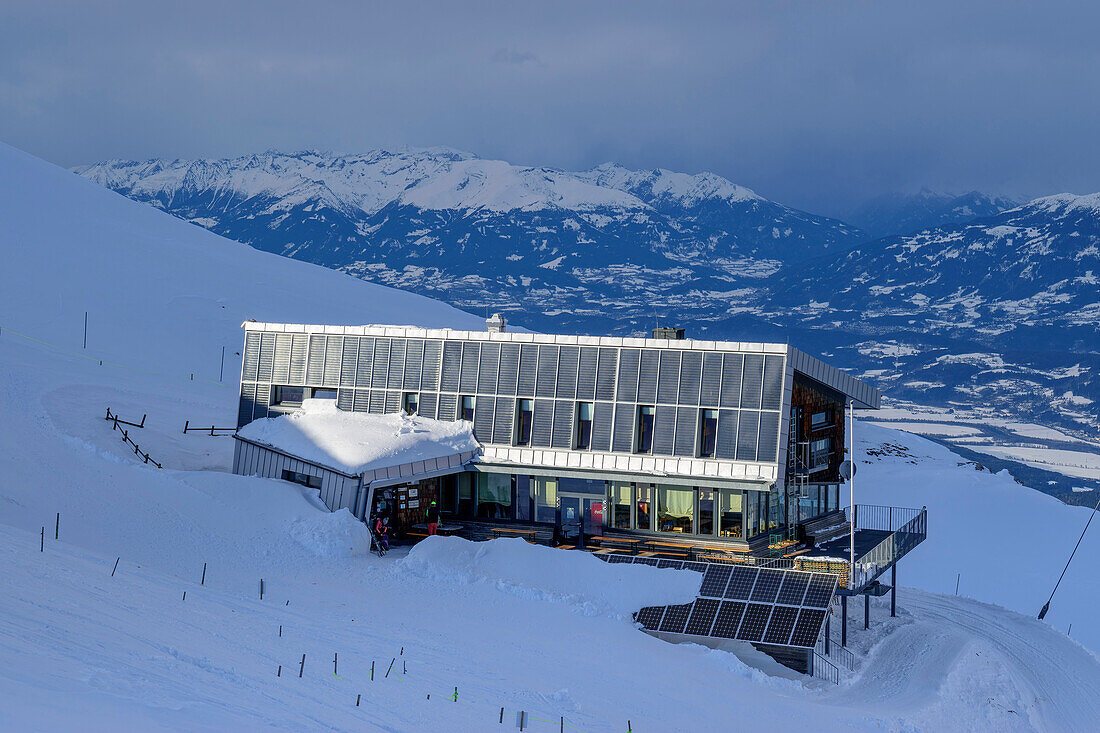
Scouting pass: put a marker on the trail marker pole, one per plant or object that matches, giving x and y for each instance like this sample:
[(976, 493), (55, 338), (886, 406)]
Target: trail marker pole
[(261, 589), (357, 699), (85, 330), (303, 667), (280, 672), (203, 581), (221, 373), (502, 716), (372, 670), (334, 664), (957, 579), (391, 667), (42, 541), (57, 527), (280, 631), (115, 567), (185, 595)]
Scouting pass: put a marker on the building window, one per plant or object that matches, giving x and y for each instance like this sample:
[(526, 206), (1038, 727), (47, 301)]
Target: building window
[(620, 505), (730, 515), (643, 501), (820, 420), (412, 402), (706, 512), (584, 426), (324, 393), (524, 411), (645, 429), (820, 453), (467, 411), (675, 509), (313, 482), (523, 497), (287, 396), (494, 496), (708, 431), (546, 499)]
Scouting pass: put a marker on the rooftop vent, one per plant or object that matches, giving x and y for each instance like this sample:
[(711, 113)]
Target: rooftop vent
[(495, 323), (667, 332)]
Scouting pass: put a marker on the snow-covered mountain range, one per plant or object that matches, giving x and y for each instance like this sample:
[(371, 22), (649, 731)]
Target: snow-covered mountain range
[(998, 311), (902, 214)]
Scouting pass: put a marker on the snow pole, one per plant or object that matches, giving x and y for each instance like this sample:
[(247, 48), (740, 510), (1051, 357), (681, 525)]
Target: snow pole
[(57, 527), (203, 581), (357, 699), (303, 667), (1046, 606), (391, 668), (42, 541), (852, 490), (115, 567)]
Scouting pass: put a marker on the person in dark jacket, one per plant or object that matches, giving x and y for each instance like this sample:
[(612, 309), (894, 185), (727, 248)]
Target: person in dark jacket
[(382, 532), (433, 518)]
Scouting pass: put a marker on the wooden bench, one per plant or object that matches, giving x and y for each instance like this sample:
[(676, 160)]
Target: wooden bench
[(672, 549), (625, 543), (564, 547), (608, 551), (526, 534)]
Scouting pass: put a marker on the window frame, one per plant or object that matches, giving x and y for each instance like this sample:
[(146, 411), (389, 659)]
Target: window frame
[(580, 425), (462, 407), (641, 432)]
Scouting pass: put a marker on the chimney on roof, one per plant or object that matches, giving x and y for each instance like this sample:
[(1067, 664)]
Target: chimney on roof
[(667, 332), (495, 323)]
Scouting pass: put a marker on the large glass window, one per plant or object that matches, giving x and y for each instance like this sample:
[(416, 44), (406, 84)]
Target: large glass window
[(620, 505), (730, 513), (467, 412), (675, 509), (708, 430), (582, 486), (494, 496), (448, 494), (466, 494), (546, 499), (584, 425), (412, 402), (524, 411), (645, 429), (288, 396), (643, 501), (324, 393), (706, 512), (523, 497)]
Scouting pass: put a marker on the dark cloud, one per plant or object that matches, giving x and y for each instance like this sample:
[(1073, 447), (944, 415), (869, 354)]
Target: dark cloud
[(815, 104)]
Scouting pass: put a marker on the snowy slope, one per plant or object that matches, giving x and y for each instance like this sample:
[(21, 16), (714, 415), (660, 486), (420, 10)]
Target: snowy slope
[(508, 624)]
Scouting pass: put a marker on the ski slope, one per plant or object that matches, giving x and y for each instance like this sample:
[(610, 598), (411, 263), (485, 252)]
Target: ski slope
[(508, 624)]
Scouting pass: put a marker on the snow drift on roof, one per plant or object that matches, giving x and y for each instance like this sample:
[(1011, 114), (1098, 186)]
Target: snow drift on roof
[(354, 442)]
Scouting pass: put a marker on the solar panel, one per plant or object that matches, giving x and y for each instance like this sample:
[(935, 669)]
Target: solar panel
[(677, 564), (808, 627), (794, 588), (756, 620), (741, 583), (601, 557), (820, 592), (676, 618), (650, 617), (702, 617), (699, 567), (645, 561), (729, 618), (714, 580), (767, 585), (619, 558), (781, 624)]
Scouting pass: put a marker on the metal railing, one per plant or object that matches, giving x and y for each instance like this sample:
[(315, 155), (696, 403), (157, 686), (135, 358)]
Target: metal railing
[(823, 669), (842, 655), (892, 548), (881, 518)]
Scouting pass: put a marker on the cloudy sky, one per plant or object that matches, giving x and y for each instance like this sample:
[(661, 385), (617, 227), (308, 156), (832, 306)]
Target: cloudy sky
[(816, 104)]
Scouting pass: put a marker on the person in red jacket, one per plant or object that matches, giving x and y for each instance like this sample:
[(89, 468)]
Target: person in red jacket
[(433, 518), (381, 532)]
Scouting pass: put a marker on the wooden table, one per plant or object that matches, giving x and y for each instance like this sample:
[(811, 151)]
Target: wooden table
[(631, 543), (527, 534)]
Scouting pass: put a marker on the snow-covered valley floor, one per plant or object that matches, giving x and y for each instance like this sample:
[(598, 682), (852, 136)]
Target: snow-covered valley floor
[(508, 624)]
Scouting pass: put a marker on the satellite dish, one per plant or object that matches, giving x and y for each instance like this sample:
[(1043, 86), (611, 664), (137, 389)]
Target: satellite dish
[(847, 470)]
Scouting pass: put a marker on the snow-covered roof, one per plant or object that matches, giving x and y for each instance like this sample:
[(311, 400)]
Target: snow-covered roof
[(356, 442)]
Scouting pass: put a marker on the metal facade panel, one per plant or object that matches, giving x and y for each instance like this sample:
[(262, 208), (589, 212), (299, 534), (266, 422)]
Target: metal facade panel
[(267, 357), (647, 377), (732, 367), (668, 383), (748, 426), (691, 373), (753, 382), (349, 362), (711, 386), (772, 393), (602, 413), (393, 401), (452, 365), (528, 367), (542, 422), (586, 373), (395, 377), (248, 400), (251, 356), (433, 351), (622, 435), (448, 407), (345, 399), (547, 371), (504, 418), (687, 426), (299, 352), (380, 364), (284, 344), (377, 401), (769, 437), (263, 399), (563, 424), (471, 355), (725, 444), (361, 401), (428, 404), (483, 419), (568, 360), (414, 362), (664, 428), (508, 373), (487, 371), (334, 354), (629, 360), (365, 362), (605, 374)]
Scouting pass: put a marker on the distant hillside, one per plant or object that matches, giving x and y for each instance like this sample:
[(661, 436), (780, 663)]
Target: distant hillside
[(902, 214)]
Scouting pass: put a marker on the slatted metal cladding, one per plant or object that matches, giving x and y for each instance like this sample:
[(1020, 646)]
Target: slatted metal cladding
[(759, 605), (747, 389)]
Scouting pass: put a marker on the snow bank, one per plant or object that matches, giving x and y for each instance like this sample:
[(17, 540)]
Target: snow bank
[(354, 442), (331, 535), (543, 573)]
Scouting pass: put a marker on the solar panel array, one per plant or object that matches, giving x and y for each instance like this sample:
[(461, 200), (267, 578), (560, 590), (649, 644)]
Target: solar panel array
[(761, 605)]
